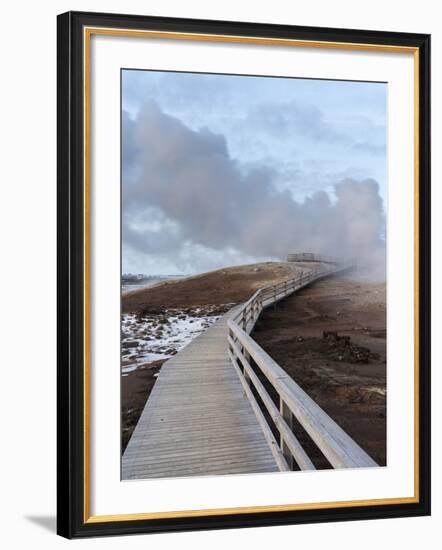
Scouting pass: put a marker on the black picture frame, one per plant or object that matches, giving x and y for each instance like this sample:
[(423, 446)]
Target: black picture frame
[(72, 502)]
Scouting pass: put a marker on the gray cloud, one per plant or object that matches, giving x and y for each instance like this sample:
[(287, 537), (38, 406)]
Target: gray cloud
[(306, 120), (181, 188), (278, 122)]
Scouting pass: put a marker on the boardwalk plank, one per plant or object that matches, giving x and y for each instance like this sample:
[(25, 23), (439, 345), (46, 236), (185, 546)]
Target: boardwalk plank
[(197, 420)]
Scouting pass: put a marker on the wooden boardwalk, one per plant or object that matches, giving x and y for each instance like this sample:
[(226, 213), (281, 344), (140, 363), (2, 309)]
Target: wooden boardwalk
[(197, 420), (202, 417)]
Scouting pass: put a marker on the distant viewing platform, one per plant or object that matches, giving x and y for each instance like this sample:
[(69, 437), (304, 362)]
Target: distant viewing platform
[(310, 257)]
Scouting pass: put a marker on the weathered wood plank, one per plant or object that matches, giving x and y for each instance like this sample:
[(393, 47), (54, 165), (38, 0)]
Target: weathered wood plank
[(287, 436), (197, 420), (203, 419), (338, 447)]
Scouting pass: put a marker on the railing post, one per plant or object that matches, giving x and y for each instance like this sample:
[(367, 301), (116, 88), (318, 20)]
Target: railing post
[(287, 415), (245, 373)]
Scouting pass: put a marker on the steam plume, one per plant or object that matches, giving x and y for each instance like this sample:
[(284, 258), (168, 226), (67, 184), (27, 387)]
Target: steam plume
[(181, 187)]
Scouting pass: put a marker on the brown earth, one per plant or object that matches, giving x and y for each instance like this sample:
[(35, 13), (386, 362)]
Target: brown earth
[(135, 389), (227, 285), (331, 338)]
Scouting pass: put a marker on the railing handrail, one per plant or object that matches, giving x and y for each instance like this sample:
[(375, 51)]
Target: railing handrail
[(336, 445), (304, 277)]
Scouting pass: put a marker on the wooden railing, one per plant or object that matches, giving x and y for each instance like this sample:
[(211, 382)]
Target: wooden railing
[(248, 358)]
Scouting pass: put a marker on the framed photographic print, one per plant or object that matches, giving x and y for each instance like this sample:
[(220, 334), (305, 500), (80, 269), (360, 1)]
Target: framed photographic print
[(243, 274)]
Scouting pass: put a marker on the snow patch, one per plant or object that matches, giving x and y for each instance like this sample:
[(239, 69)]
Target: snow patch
[(158, 336)]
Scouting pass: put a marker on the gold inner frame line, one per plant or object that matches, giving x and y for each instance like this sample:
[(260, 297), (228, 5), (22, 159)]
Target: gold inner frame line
[(87, 34)]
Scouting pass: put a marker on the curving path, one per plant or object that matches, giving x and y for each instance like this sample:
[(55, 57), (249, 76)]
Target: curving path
[(202, 417), (197, 420)]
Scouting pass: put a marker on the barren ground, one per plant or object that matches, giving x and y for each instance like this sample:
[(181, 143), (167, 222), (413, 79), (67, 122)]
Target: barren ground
[(228, 285), (152, 308), (346, 376), (331, 338)]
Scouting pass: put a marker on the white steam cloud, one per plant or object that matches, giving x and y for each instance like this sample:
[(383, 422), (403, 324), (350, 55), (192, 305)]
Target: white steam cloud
[(182, 189)]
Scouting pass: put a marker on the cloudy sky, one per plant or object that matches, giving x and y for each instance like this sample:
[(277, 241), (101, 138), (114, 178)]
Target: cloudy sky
[(220, 170)]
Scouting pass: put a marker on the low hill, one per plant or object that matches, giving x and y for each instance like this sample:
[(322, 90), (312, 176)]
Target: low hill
[(222, 286)]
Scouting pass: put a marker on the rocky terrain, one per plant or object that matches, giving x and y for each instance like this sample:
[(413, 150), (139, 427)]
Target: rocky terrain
[(159, 320), (331, 338), (228, 285)]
